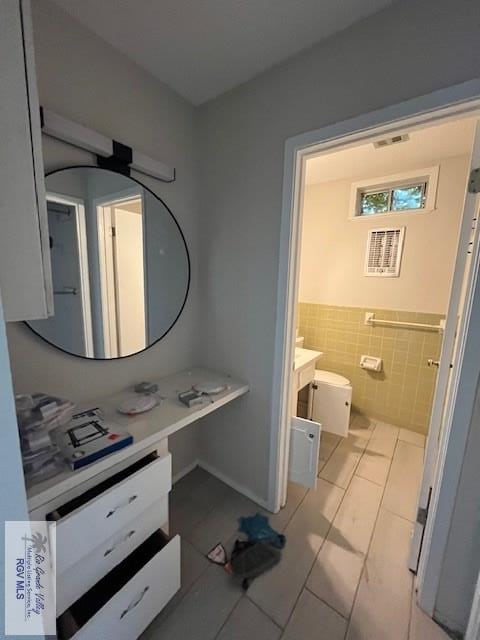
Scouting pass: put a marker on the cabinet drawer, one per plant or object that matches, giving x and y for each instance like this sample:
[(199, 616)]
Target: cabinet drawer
[(306, 376), (95, 516), (127, 599), (79, 578)]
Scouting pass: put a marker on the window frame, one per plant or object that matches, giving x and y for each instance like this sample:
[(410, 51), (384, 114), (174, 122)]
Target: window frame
[(427, 176)]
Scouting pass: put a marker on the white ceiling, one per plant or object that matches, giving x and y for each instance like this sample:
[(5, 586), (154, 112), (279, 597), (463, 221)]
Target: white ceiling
[(425, 147), (202, 48)]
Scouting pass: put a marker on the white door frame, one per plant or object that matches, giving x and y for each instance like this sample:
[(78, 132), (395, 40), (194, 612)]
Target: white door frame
[(460, 100), (473, 628), (81, 228), (462, 282), (102, 210)]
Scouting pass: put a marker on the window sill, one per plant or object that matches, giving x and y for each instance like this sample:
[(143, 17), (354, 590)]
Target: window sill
[(393, 214)]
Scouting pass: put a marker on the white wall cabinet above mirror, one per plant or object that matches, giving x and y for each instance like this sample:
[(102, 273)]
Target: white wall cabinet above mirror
[(25, 274)]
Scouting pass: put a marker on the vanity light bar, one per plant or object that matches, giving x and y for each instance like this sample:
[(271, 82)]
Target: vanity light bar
[(61, 128)]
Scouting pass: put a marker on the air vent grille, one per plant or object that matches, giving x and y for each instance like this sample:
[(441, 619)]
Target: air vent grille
[(387, 142), (384, 252)]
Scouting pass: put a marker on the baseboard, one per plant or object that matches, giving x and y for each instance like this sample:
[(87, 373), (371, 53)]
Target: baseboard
[(231, 483), (178, 476)]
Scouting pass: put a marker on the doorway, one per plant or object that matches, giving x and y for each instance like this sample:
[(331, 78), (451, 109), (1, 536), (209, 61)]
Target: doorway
[(71, 286), (415, 116), (121, 242)]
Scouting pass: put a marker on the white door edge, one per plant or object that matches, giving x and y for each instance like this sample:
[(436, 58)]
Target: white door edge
[(448, 357), (458, 413), (473, 628)]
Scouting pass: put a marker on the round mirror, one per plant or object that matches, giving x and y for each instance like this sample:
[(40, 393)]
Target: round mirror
[(120, 264)]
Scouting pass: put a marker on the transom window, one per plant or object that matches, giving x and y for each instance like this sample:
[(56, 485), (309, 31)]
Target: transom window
[(405, 198), (410, 192)]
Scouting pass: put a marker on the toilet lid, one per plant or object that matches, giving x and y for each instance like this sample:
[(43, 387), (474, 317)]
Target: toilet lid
[(331, 378)]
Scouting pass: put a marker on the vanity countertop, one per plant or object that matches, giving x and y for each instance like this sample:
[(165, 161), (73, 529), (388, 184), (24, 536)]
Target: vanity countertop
[(147, 428), (305, 357)]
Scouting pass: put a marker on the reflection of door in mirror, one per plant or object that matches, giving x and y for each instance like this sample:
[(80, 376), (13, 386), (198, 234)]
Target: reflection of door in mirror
[(122, 274), (68, 247)]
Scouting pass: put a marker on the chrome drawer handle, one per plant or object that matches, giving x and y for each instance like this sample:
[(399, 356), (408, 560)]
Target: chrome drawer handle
[(121, 506), (134, 603), (115, 546)]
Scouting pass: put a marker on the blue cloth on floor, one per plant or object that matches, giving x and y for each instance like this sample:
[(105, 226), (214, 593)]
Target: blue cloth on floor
[(257, 528)]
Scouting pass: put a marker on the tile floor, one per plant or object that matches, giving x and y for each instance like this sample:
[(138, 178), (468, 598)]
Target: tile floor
[(343, 574)]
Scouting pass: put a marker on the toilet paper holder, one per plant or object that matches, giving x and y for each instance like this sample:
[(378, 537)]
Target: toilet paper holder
[(371, 363)]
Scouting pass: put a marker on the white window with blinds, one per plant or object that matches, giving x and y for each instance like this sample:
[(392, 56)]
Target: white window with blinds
[(384, 252)]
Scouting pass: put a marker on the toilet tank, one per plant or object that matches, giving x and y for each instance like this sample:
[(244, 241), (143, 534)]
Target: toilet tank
[(331, 401)]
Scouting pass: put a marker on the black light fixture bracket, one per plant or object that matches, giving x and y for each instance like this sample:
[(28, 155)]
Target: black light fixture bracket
[(120, 160)]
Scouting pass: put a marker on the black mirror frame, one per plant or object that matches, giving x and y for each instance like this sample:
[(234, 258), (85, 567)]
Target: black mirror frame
[(130, 355)]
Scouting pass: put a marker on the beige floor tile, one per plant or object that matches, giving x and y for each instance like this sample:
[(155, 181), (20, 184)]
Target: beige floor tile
[(335, 576), (343, 461), (362, 427), (386, 426), (247, 622), (401, 492), (188, 511), (277, 591), (412, 437), (354, 522), (221, 523), (296, 493), (203, 610), (376, 461), (353, 415), (422, 627), (328, 444), (337, 568), (183, 488), (314, 620), (374, 467), (382, 606), (186, 515), (193, 565), (212, 492), (384, 439), (360, 421)]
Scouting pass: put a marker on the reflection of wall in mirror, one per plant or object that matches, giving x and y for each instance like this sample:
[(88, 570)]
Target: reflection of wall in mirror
[(167, 267)]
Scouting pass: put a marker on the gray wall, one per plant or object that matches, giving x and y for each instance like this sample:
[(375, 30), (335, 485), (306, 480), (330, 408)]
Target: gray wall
[(410, 49), (83, 78)]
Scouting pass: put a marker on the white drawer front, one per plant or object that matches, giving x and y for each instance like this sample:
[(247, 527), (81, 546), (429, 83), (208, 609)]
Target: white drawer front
[(79, 578), (81, 531), (131, 609), (306, 376)]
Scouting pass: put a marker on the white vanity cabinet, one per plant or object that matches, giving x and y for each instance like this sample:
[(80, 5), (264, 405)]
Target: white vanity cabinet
[(304, 442), (25, 274), (116, 566)]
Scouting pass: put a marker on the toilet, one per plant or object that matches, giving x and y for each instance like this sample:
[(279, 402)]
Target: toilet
[(330, 402)]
